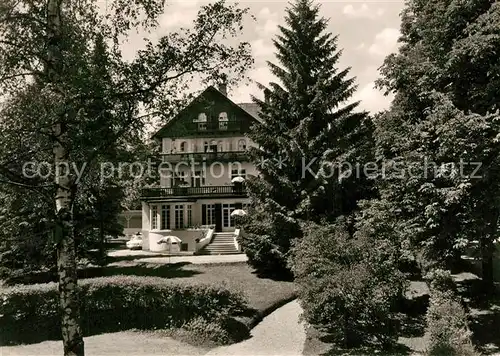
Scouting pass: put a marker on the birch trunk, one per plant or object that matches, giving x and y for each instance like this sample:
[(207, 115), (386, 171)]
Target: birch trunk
[(64, 232)]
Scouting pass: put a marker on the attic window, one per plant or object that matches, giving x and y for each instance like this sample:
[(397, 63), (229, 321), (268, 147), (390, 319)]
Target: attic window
[(202, 121), (223, 121), (202, 117)]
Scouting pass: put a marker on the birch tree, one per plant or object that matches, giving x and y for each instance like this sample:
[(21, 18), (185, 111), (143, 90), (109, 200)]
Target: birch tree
[(49, 91)]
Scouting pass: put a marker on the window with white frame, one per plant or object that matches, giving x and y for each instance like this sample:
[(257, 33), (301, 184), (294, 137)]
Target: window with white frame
[(238, 173), (179, 216), (179, 178), (208, 218), (213, 146), (189, 215), (202, 117), (154, 217), (227, 209), (223, 121), (242, 145), (165, 217), (198, 178), (202, 121)]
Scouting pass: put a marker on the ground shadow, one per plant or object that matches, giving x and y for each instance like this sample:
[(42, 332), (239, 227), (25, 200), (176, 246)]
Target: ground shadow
[(173, 270), (116, 259), (325, 344), (484, 312), (398, 350)]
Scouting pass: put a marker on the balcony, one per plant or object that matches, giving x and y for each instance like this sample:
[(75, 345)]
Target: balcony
[(228, 156), (194, 192)]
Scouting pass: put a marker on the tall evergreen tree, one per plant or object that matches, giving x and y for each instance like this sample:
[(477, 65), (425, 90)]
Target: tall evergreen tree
[(307, 129)]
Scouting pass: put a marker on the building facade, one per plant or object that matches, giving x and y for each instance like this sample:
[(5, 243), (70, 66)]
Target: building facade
[(203, 150)]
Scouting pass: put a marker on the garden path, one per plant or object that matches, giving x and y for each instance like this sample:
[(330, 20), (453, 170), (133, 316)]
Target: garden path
[(279, 334)]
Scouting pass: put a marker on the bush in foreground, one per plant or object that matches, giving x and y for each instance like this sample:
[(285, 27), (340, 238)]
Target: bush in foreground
[(447, 325), (266, 242), (348, 285), (30, 313)]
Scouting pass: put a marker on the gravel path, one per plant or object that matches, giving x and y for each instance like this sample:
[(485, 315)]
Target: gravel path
[(279, 334)]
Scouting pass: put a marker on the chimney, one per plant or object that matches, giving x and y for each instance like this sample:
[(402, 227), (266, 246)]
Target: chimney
[(223, 85), (267, 94)]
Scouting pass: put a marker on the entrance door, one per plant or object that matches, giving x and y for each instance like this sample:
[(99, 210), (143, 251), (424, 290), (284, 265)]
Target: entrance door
[(218, 217), (227, 221)]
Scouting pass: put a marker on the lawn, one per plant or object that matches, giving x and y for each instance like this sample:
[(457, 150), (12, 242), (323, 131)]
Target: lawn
[(263, 295)]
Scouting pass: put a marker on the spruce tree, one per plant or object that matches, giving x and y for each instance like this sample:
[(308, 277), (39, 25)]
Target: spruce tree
[(305, 126)]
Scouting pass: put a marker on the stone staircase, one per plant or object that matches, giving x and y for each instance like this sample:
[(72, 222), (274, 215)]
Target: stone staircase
[(222, 244)]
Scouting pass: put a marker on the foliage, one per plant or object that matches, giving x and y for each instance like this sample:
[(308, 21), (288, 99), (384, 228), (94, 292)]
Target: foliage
[(24, 240), (200, 331), (118, 303), (348, 284), (301, 176), (266, 242), (442, 125), (447, 325), (67, 87)]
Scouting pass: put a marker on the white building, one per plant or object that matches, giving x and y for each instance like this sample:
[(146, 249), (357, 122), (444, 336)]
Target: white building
[(203, 150)]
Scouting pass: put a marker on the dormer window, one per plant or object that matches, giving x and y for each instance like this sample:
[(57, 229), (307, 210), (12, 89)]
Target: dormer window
[(202, 121), (223, 121), (202, 117)]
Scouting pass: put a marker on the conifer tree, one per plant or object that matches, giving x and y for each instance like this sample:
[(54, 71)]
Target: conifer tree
[(306, 128)]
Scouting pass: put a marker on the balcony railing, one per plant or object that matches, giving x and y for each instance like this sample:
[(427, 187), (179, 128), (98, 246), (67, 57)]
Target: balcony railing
[(234, 156), (225, 190)]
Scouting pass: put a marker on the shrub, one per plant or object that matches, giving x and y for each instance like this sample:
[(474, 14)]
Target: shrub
[(447, 326), (266, 241), (112, 304), (200, 331), (348, 285)]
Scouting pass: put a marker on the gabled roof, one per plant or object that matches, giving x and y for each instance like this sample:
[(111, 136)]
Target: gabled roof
[(248, 109), (251, 108)]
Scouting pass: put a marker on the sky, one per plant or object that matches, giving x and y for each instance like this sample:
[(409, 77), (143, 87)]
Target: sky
[(367, 32)]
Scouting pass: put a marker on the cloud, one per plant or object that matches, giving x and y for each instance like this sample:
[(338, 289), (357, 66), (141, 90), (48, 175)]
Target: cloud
[(185, 3), (174, 17), (261, 49), (385, 42), (360, 46), (244, 92), (363, 11), (372, 99), (267, 24)]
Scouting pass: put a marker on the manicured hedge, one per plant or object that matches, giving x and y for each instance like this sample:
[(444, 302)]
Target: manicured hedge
[(30, 313), (447, 324)]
